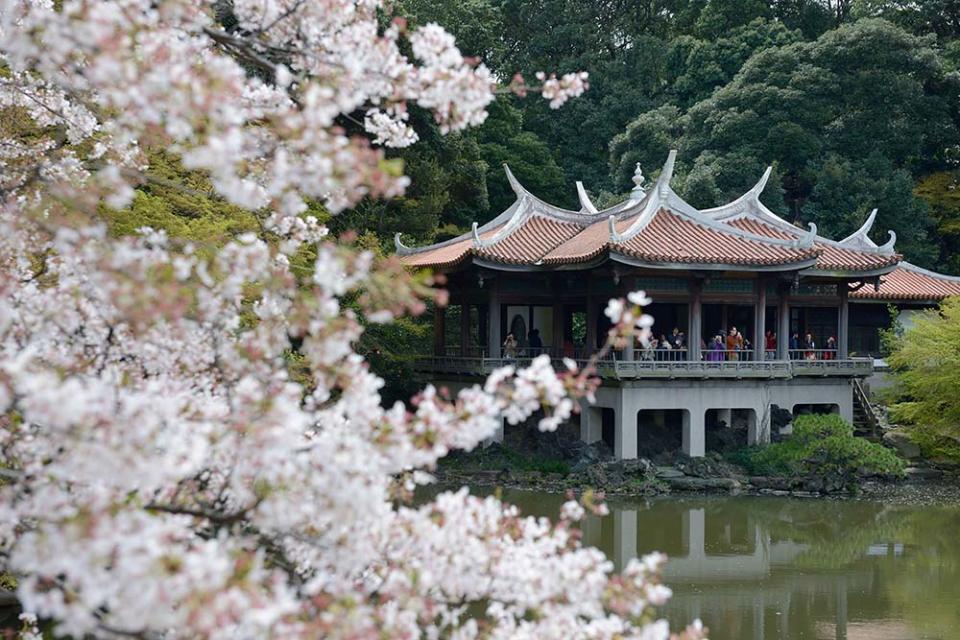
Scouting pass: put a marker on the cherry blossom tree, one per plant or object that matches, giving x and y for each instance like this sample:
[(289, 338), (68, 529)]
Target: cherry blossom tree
[(190, 444)]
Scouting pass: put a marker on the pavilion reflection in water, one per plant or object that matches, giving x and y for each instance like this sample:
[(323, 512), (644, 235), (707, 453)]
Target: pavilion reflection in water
[(731, 568)]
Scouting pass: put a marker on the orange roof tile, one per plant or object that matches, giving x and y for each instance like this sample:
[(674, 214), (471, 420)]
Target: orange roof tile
[(908, 282), (533, 239), (673, 238), (832, 257)]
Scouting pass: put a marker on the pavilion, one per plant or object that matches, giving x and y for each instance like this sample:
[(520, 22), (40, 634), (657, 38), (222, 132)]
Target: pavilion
[(537, 269)]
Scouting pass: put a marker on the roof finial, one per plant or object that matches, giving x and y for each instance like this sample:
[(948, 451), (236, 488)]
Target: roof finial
[(667, 173), (514, 183), (887, 247), (861, 234), (638, 191), (401, 248), (585, 204), (806, 240)]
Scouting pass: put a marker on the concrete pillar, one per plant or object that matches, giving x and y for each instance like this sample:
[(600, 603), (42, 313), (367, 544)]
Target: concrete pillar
[(439, 329), (760, 320), (783, 318), (758, 425), (846, 404), (695, 329), (625, 428), (843, 331), (624, 538), (694, 433), (591, 423), (464, 330), (493, 322)]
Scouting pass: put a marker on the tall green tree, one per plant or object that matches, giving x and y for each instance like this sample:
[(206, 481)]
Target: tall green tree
[(850, 119), (924, 364)]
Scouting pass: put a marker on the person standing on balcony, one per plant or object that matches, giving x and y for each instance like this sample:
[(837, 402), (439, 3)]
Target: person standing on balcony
[(810, 346), (535, 343), (510, 347), (771, 345), (795, 346), (831, 352), (734, 344), (716, 349)]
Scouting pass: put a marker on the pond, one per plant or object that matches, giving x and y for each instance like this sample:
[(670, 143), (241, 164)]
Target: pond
[(756, 567)]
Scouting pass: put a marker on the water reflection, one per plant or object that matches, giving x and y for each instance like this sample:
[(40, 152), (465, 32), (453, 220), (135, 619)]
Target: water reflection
[(787, 568)]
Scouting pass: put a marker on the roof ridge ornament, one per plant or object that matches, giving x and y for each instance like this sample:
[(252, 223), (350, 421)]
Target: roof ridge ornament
[(663, 182), (514, 183), (638, 192), (402, 249), (806, 240), (657, 195), (887, 247), (612, 225), (585, 203), (861, 233), (757, 189)]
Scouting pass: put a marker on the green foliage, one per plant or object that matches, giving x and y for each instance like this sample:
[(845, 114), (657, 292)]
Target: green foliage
[(820, 445), (503, 141), (924, 365), (181, 203), (941, 193), (851, 120)]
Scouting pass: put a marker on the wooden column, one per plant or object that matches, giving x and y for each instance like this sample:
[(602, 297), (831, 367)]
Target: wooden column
[(464, 330), (493, 321), (783, 319), (557, 346), (760, 319), (695, 328), (439, 331), (843, 331)]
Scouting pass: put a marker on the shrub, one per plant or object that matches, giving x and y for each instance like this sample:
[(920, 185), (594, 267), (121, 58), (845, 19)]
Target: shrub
[(820, 445)]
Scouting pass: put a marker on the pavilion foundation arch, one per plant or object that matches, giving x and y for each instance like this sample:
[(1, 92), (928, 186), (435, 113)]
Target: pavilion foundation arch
[(598, 424), (730, 429), (819, 409), (660, 431)]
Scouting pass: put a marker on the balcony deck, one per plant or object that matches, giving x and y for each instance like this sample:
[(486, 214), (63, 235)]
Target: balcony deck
[(619, 369)]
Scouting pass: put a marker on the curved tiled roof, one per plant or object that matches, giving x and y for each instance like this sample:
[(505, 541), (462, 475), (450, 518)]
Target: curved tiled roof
[(673, 238), (655, 227), (909, 282), (532, 240)]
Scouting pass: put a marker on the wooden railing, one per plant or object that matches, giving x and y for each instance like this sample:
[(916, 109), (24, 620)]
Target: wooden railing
[(615, 367)]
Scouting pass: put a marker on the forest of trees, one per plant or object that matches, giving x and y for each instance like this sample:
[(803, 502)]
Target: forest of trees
[(856, 103)]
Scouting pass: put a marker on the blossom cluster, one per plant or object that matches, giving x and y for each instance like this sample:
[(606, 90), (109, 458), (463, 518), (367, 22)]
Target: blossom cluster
[(166, 470), (190, 444), (262, 105)]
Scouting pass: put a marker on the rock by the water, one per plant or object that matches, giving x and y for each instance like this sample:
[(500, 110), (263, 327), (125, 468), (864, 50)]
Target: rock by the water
[(900, 440), (687, 483), (922, 473), (669, 472)]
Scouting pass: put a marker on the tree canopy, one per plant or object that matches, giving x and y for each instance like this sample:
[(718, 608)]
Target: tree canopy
[(856, 103)]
